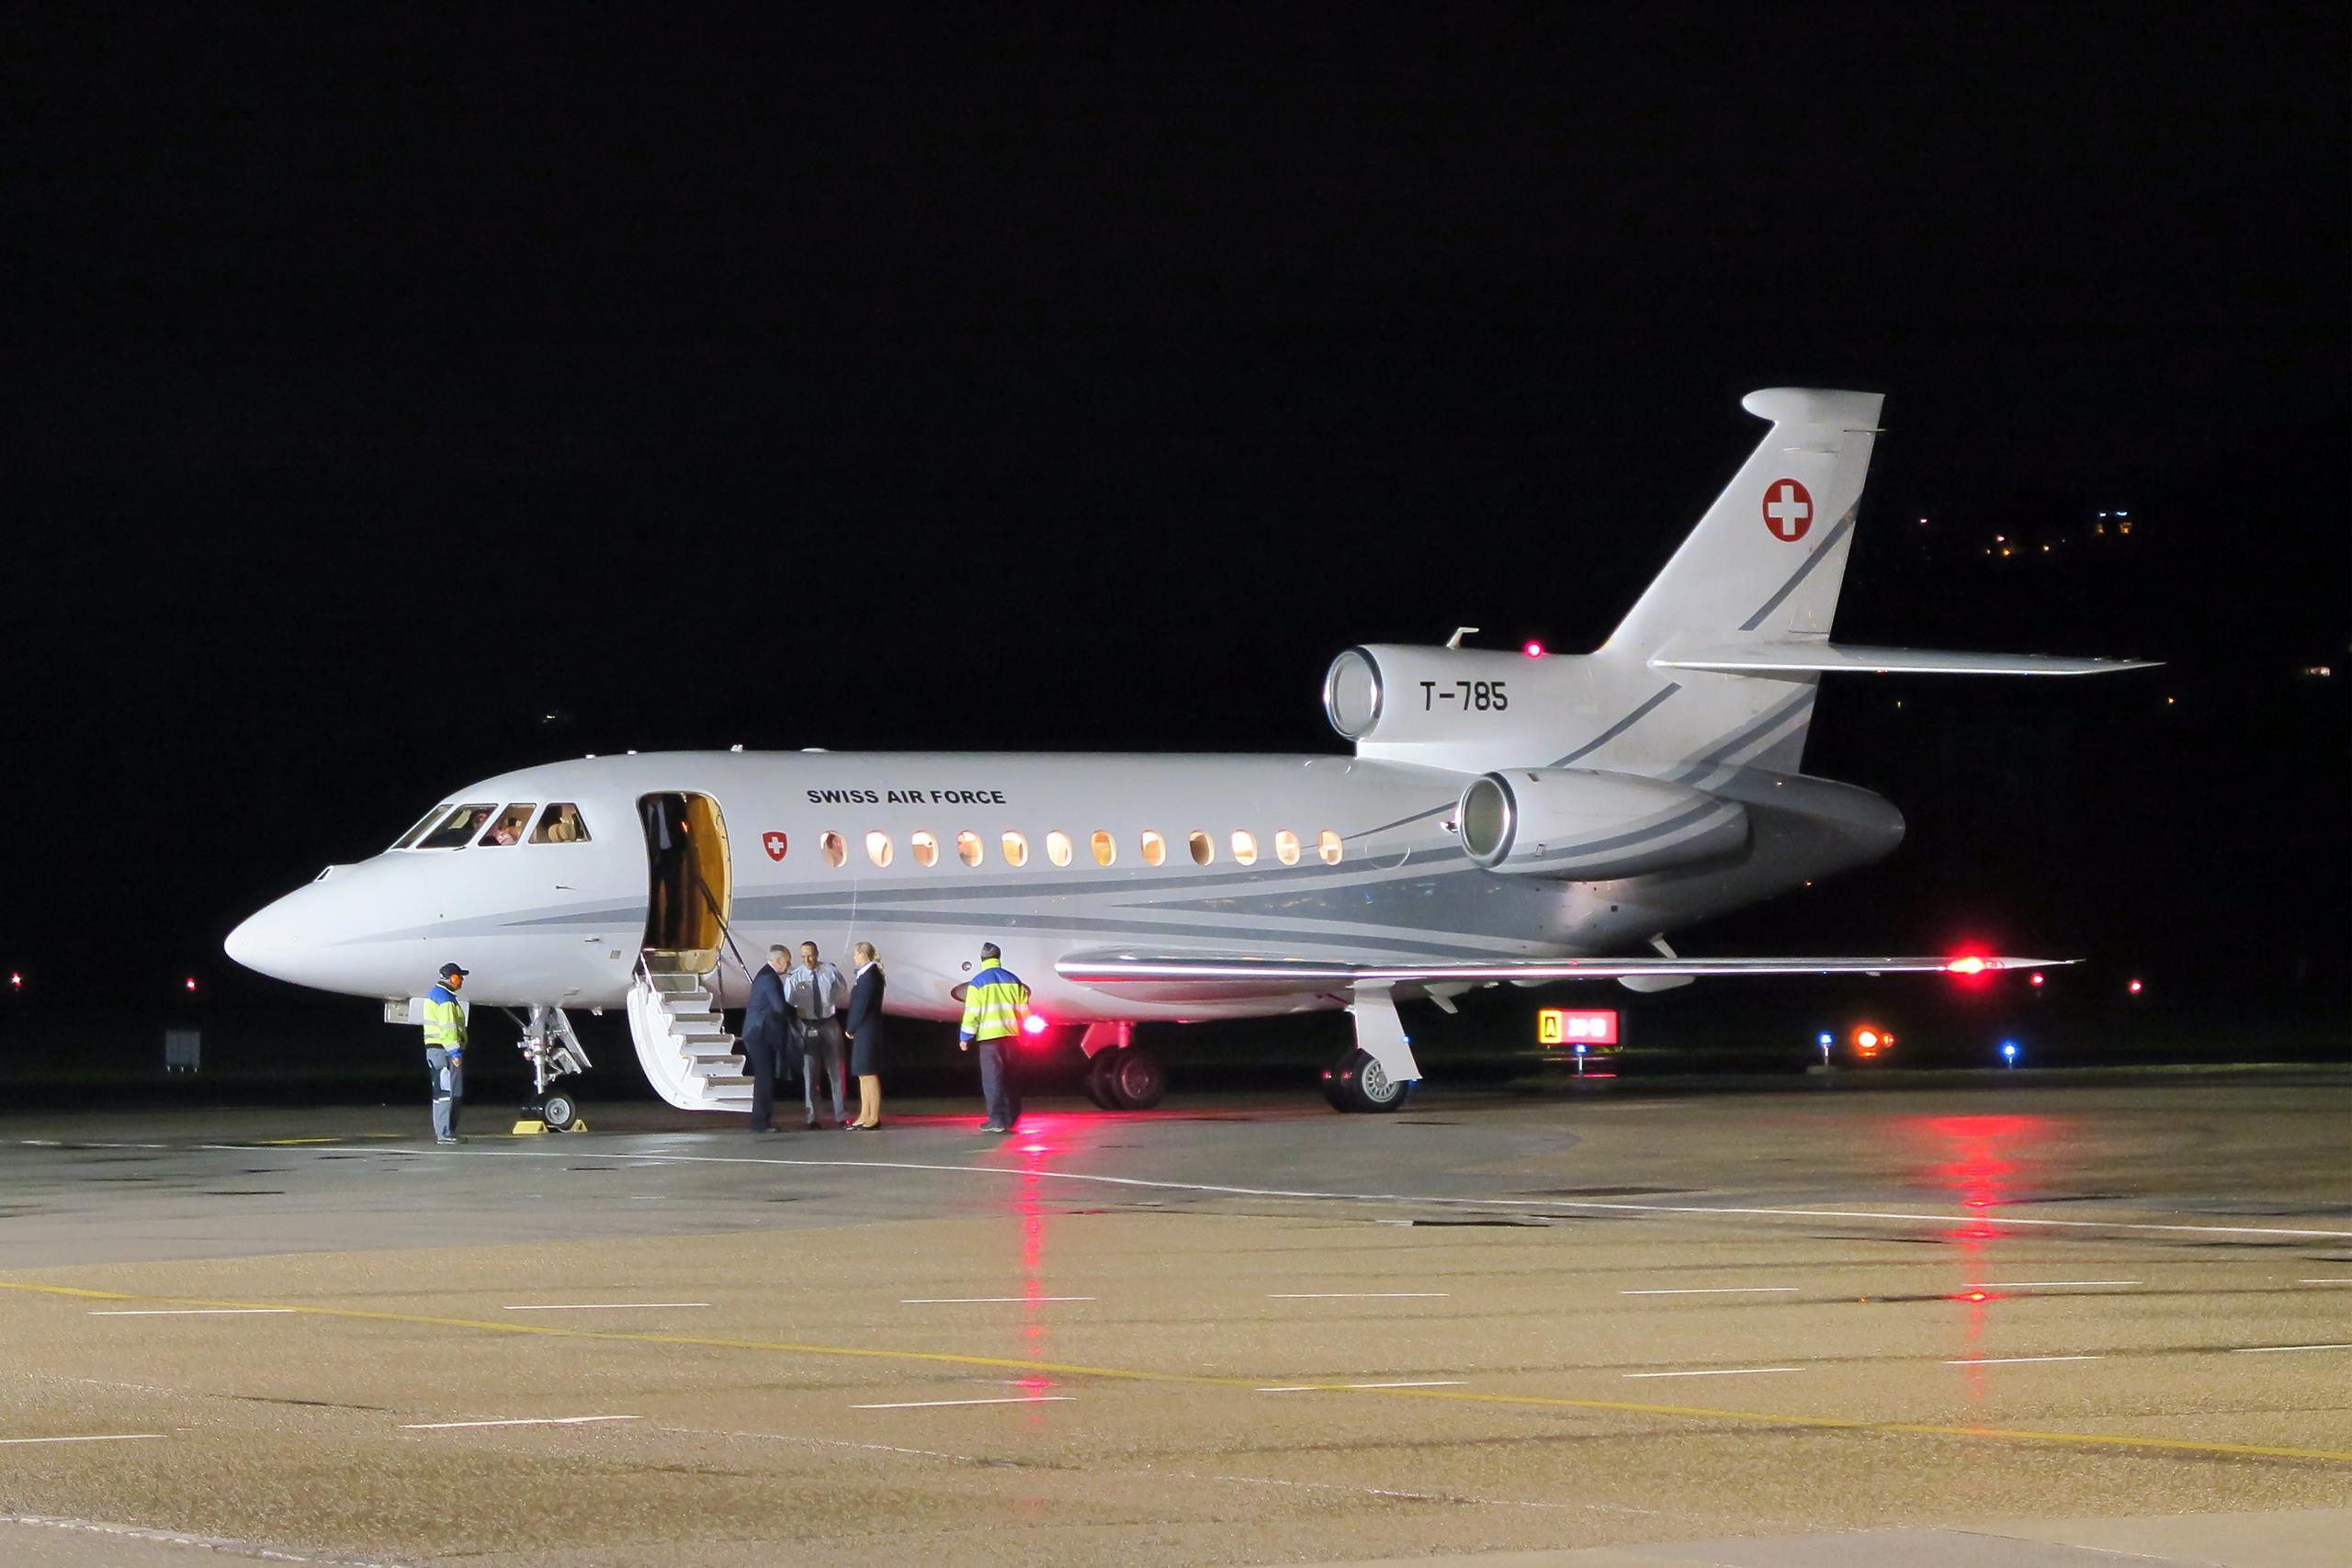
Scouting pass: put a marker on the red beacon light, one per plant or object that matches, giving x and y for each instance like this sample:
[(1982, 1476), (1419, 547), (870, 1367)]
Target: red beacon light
[(189, 984), (1533, 650), (2033, 979), (1034, 1024), (2134, 988), (1967, 963)]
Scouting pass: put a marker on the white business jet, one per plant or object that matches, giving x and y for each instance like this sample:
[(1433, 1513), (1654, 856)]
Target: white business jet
[(1506, 817)]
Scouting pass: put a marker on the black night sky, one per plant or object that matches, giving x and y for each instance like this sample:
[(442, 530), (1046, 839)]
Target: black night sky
[(1070, 378)]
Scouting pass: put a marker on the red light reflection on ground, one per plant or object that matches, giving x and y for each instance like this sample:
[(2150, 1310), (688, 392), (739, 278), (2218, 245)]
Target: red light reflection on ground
[(1029, 1209), (1985, 1164)]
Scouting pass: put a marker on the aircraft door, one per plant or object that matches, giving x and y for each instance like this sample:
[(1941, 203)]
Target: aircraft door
[(689, 882)]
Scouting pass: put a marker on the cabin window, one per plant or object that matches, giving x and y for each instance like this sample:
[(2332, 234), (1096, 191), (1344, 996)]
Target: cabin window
[(510, 825), (1286, 847), (430, 817), (877, 847), (925, 846), (967, 848), (1105, 852), (561, 824), (1245, 847), (1016, 850), (457, 829), (1204, 849), (1329, 847), (833, 846), (1155, 848), (1058, 847)]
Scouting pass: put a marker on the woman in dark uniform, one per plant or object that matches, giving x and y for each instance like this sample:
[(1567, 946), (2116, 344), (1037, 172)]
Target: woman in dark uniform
[(861, 1025)]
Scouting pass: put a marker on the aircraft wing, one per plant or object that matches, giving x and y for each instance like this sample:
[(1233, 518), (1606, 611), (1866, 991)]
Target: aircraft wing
[(1830, 657), (1206, 975)]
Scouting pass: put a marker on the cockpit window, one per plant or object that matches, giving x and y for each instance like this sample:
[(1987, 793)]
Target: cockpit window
[(458, 826), (409, 838), (561, 824), (512, 824)]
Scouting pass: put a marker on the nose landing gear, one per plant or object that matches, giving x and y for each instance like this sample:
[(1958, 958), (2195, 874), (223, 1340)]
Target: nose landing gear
[(554, 1051)]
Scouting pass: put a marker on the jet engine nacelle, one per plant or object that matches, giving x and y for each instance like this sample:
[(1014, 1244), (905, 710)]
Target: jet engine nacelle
[(1395, 694), (1579, 825)]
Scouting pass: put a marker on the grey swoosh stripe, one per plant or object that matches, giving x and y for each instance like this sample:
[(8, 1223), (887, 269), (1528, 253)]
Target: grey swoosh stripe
[(1416, 817), (1212, 935), (1845, 526), (1769, 719), (1618, 728)]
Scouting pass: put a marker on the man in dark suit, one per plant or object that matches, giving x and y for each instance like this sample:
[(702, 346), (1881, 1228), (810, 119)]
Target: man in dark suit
[(765, 1036)]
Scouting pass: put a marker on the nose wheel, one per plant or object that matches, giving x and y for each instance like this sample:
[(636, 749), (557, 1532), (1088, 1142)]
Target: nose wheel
[(1356, 1081)]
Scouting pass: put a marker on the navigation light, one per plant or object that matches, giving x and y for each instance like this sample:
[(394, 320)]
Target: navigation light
[(1533, 650), (1034, 1023)]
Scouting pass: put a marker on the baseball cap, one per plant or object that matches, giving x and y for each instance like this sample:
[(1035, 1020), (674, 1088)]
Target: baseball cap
[(449, 969), (990, 950)]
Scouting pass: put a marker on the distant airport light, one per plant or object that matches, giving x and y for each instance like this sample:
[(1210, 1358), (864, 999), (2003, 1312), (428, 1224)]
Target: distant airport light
[(2133, 987), (1034, 1023), (1866, 1038), (2008, 1053), (2033, 979), (1534, 651), (1826, 1040), (15, 982), (190, 985)]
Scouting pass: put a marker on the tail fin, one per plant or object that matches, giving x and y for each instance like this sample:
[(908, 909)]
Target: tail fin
[(1764, 564)]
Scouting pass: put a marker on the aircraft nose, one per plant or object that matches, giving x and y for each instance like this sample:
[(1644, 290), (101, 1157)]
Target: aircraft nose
[(269, 940)]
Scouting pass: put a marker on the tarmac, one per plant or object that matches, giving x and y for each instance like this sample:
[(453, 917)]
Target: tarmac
[(2020, 1325)]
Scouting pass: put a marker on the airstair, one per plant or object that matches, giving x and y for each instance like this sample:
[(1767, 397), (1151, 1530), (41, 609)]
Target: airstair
[(681, 1041)]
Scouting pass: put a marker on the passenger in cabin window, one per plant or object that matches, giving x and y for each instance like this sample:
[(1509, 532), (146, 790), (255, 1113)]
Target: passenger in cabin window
[(861, 1025)]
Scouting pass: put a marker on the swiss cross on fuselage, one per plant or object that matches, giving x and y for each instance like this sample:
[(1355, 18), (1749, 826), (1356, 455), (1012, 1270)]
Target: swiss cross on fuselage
[(774, 844), (1788, 509)]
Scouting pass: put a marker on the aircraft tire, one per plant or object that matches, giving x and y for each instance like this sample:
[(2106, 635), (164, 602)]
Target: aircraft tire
[(559, 1113), (1335, 1077), (1135, 1080), (1097, 1088), (1363, 1086)]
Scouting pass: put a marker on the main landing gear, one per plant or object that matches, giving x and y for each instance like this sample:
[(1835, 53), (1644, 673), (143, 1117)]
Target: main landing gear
[(1356, 1081), (1120, 1074)]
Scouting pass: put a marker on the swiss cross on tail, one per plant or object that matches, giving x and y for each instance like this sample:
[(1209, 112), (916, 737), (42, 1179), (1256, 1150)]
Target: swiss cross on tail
[(1788, 509), (774, 844)]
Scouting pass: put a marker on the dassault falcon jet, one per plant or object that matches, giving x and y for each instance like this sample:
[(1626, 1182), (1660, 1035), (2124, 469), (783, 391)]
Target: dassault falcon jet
[(1504, 817)]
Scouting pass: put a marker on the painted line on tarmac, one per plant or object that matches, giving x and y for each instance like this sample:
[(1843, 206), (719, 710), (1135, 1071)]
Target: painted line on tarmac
[(96, 1438), (1210, 1381), (189, 1312), (208, 1543), (941, 1404), (1358, 1295), (2274, 1349), (1533, 1205), (2014, 1360), (1351, 1387), (2323, 1281), (600, 1307), (526, 1421), (978, 1301), (2050, 1285), (1717, 1291), (1716, 1372)]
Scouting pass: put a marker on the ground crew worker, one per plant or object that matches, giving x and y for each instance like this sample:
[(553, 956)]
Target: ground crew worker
[(445, 1051), (995, 1002)]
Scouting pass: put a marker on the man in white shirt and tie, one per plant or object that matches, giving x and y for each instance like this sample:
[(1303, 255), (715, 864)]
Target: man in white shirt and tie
[(816, 992)]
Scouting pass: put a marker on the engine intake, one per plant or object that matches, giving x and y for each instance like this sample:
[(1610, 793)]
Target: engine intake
[(1578, 825)]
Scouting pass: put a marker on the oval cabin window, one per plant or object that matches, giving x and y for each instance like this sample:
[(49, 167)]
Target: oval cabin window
[(1105, 852), (1057, 848), (1155, 849), (1203, 851), (925, 847), (835, 852), (1016, 850), (1245, 847), (1329, 847), (877, 847), (1286, 847), (967, 848)]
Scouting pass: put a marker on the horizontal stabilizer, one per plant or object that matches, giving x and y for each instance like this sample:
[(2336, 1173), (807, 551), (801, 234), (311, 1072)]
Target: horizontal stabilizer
[(1243, 973), (1828, 657)]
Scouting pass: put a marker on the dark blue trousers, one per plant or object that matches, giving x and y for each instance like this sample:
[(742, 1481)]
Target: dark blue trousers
[(1000, 1084)]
